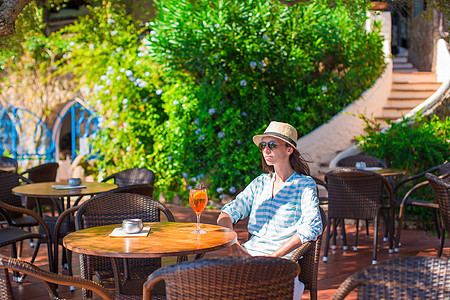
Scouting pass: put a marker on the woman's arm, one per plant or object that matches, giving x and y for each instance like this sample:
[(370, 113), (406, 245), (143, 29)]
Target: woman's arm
[(292, 243), (235, 249)]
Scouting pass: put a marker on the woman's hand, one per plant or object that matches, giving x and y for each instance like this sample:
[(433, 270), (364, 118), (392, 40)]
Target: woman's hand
[(238, 250)]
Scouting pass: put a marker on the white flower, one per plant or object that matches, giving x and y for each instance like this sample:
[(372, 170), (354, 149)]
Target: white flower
[(272, 42), (169, 157), (107, 91), (98, 102), (221, 135), (243, 82), (91, 46), (196, 121), (201, 176), (185, 175), (146, 42), (253, 64), (138, 63), (118, 78), (221, 196), (239, 142), (110, 21), (140, 54), (128, 73), (139, 142), (226, 78), (147, 74), (115, 140), (324, 89), (244, 114), (153, 39), (72, 44), (232, 190), (128, 149), (198, 130), (152, 32), (262, 64), (202, 137), (144, 100), (142, 84), (219, 190), (190, 187), (193, 179), (211, 111), (113, 123), (119, 49), (122, 70), (108, 82), (217, 25), (265, 37), (299, 108), (132, 79), (103, 77), (125, 101), (159, 92), (175, 102), (114, 32)]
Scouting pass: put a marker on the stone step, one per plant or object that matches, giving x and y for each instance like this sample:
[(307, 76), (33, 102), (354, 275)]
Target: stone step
[(395, 113), (408, 94), (403, 77), (402, 103), (405, 65), (416, 86), (399, 59), (404, 70)]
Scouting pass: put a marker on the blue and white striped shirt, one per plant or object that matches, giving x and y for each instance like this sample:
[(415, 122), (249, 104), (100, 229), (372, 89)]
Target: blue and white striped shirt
[(293, 210)]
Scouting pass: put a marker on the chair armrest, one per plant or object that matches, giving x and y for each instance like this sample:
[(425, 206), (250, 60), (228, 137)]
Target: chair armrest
[(31, 213), (61, 218), (107, 178), (347, 286), (152, 280), (412, 190), (410, 178), (300, 251), (46, 276)]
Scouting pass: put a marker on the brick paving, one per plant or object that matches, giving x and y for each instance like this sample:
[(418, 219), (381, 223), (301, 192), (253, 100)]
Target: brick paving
[(340, 263)]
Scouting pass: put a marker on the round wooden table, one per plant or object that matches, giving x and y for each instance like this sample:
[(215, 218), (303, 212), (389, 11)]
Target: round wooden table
[(164, 239), (46, 190)]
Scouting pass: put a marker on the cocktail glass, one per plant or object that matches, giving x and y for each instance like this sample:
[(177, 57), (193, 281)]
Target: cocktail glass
[(198, 199)]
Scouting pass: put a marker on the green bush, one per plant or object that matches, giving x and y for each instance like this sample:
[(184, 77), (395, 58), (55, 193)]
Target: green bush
[(183, 95)]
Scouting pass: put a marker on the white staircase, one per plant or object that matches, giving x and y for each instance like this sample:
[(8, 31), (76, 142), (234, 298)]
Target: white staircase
[(409, 88)]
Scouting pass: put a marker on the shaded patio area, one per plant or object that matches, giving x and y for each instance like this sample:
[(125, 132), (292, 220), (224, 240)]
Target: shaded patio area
[(340, 263)]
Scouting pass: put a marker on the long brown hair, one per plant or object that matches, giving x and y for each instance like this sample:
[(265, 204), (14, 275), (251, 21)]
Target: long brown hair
[(298, 163)]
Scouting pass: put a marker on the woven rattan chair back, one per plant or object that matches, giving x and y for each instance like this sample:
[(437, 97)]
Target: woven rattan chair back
[(113, 208), (49, 279), (8, 163), (405, 278), (141, 189), (441, 189), (370, 161), (308, 257), (358, 195), (8, 181), (42, 173), (132, 176), (227, 278)]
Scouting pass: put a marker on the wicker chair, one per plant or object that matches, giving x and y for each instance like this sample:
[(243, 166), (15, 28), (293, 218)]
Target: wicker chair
[(441, 188), (132, 176), (49, 279), (308, 257), (8, 163), (42, 173), (357, 194), (113, 208), (227, 278), (400, 279), (11, 235), (370, 161), (323, 200), (141, 189), (410, 198)]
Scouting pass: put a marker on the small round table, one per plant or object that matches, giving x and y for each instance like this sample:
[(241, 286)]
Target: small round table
[(164, 239), (46, 190)]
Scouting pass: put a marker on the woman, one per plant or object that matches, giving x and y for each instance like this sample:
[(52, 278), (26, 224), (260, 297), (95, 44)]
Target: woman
[(282, 202)]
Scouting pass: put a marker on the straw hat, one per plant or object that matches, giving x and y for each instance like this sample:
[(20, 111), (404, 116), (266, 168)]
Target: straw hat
[(283, 131)]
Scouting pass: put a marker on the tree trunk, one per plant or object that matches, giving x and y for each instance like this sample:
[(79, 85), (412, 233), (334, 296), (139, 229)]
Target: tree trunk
[(9, 11)]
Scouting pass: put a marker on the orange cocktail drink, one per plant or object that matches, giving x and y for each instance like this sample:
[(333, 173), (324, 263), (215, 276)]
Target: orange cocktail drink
[(198, 198)]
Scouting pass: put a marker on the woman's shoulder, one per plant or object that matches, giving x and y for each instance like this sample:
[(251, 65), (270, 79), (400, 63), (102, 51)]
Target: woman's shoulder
[(303, 179)]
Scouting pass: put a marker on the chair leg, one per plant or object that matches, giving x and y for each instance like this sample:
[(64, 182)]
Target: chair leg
[(367, 228), (436, 223), (33, 258), (327, 241), (333, 234), (355, 247), (441, 244), (375, 240), (14, 255), (344, 236), (399, 226)]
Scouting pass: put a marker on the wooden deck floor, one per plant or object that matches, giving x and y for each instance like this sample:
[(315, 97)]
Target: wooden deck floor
[(331, 274)]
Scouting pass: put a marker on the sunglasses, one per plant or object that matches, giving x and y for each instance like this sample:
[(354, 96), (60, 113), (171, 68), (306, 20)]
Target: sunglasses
[(272, 145)]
